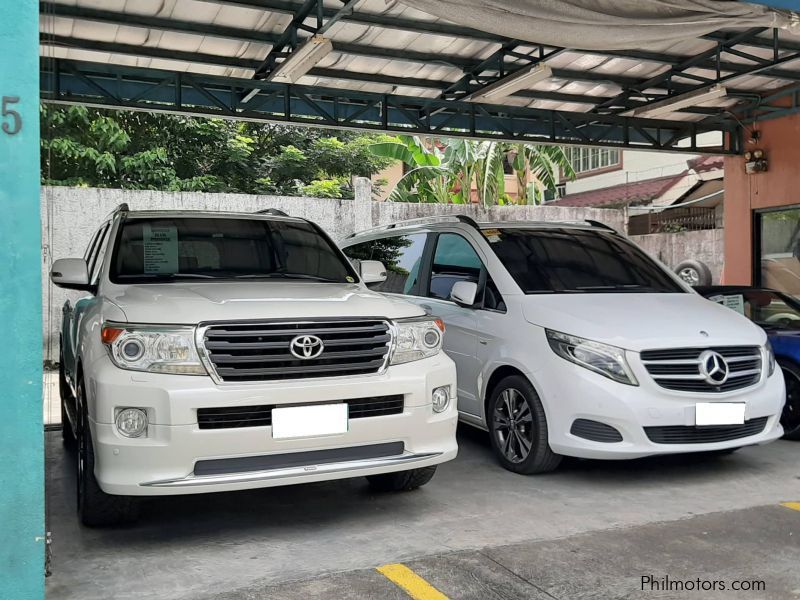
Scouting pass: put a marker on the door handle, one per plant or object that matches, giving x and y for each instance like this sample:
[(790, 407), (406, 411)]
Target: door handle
[(483, 341)]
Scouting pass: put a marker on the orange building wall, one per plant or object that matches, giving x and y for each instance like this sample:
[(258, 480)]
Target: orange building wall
[(779, 186)]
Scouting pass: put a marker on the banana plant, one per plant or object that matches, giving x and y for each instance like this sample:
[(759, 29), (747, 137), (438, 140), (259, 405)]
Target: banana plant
[(460, 170)]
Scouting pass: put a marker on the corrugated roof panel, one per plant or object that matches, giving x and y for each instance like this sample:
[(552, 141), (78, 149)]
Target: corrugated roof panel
[(469, 50)]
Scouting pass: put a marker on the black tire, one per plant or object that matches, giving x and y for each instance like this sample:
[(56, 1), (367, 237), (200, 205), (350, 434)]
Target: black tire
[(518, 428), (694, 272), (402, 481), (95, 507), (790, 417)]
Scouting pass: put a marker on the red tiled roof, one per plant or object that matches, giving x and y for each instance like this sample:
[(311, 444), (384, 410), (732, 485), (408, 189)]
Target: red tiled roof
[(702, 164), (621, 195)]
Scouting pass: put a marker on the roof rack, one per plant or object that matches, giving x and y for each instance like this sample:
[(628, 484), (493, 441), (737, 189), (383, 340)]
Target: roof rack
[(271, 211), (121, 208), (589, 222), (421, 221), (599, 225)]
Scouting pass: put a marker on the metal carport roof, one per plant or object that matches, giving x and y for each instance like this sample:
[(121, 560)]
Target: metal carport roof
[(395, 68)]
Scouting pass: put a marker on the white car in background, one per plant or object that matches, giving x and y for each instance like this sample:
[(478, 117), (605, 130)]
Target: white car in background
[(571, 341), (224, 351)]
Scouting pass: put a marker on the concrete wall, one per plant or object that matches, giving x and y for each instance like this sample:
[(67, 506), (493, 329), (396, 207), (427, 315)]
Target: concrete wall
[(71, 215), (674, 248)]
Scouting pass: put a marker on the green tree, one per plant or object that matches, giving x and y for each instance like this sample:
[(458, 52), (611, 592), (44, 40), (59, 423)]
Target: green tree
[(125, 149), (447, 171)]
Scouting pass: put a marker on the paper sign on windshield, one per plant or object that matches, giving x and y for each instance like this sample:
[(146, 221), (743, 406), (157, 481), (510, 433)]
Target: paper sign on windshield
[(160, 249), (734, 302)]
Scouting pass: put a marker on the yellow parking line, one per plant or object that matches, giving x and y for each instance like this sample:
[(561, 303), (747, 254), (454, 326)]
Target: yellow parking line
[(792, 505), (414, 585)]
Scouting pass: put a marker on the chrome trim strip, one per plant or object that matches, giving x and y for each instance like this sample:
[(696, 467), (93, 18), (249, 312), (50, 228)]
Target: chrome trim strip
[(328, 468)]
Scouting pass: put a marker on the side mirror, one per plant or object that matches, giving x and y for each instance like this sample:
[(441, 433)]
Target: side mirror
[(464, 292), (70, 274), (373, 271)]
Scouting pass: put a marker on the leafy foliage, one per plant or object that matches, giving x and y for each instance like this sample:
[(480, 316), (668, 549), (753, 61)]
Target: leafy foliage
[(136, 150), (455, 170)]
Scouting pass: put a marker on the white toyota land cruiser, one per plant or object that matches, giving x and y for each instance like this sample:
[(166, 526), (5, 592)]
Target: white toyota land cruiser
[(227, 351)]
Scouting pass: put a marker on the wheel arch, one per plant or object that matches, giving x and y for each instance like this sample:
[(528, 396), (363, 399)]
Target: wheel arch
[(499, 373)]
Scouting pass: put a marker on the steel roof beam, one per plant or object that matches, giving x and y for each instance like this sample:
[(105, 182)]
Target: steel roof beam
[(243, 63), (153, 90), (666, 80), (371, 19), (236, 33), (158, 23)]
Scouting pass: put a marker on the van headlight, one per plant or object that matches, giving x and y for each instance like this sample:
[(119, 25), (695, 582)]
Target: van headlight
[(770, 358), (606, 360), (416, 338), (153, 348)]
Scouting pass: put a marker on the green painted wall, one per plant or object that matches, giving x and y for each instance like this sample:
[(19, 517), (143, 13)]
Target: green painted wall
[(21, 435)]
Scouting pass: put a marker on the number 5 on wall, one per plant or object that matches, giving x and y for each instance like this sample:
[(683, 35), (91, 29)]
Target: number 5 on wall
[(12, 127)]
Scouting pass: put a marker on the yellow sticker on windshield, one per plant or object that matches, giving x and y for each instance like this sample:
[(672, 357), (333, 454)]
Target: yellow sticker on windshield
[(493, 235), (350, 279)]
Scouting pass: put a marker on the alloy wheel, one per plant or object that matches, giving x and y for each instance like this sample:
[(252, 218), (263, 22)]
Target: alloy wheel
[(689, 275), (513, 425)]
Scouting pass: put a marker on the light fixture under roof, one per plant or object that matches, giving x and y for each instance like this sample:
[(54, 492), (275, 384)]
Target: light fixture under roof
[(519, 80), (660, 108), (307, 56)]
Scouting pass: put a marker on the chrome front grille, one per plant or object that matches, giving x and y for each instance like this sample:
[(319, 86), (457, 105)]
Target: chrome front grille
[(679, 369), (240, 352)]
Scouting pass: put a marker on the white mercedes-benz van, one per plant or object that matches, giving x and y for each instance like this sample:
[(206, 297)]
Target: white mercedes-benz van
[(571, 341)]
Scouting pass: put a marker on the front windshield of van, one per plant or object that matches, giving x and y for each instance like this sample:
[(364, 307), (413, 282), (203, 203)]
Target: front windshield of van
[(166, 249), (571, 261)]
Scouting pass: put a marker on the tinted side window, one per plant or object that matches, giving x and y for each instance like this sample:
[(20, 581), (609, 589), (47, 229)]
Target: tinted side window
[(454, 260), (401, 255)]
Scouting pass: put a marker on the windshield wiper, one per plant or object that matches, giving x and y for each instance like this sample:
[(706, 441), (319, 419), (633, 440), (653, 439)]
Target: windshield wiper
[(166, 276), (632, 287), (282, 275)]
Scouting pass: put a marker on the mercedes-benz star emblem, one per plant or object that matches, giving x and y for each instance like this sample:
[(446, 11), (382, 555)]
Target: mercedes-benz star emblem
[(713, 367), (306, 346)]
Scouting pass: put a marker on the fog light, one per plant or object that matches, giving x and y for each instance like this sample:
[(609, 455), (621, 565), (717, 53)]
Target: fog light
[(440, 398), (132, 422)]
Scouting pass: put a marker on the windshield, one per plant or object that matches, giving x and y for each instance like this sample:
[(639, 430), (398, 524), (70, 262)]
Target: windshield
[(565, 261), (767, 308), (193, 248)]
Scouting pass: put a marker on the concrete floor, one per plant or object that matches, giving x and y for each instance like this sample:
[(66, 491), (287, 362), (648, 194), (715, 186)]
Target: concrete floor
[(476, 531)]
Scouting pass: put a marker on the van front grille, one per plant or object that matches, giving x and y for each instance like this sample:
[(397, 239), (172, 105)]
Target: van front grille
[(240, 352), (681, 434), (679, 369)]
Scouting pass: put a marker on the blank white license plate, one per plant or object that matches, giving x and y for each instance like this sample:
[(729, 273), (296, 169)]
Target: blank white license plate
[(719, 413), (309, 421)]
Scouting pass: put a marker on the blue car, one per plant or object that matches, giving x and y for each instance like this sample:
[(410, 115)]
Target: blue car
[(779, 315)]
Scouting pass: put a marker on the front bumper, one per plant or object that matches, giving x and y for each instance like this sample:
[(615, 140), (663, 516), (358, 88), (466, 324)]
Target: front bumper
[(570, 392), (163, 463)]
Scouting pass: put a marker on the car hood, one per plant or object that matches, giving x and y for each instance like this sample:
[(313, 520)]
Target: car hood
[(192, 303), (643, 321)]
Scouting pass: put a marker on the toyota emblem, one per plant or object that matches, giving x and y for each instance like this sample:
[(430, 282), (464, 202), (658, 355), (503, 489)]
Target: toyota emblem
[(713, 367), (306, 347)]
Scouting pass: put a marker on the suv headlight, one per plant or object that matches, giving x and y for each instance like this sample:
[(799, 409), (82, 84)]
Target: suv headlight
[(606, 360), (417, 338), (770, 358), (154, 348)]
